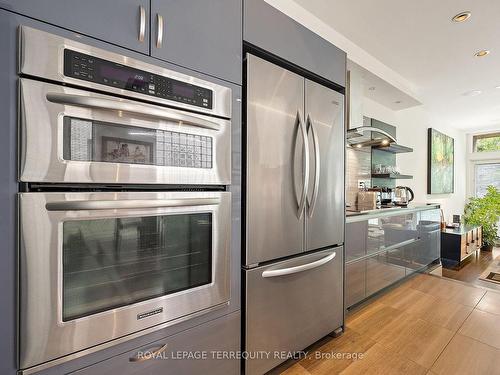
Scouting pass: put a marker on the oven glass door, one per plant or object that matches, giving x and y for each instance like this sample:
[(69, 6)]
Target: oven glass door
[(99, 266), (109, 263), (74, 136)]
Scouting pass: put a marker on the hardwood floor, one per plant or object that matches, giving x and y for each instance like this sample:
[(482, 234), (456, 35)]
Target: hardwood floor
[(471, 271), (428, 325)]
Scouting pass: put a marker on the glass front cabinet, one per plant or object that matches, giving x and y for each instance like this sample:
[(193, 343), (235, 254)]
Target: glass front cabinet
[(384, 249)]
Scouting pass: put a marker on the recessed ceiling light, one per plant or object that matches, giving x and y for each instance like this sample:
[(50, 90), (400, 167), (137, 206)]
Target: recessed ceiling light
[(497, 87), (461, 17), (372, 88), (472, 93), (398, 102), (482, 53)]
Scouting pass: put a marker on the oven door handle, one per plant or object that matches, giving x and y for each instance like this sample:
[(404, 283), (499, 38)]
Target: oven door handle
[(128, 204), (145, 110)]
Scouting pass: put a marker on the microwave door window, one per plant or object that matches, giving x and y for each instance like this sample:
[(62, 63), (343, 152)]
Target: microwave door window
[(109, 263), (95, 141)]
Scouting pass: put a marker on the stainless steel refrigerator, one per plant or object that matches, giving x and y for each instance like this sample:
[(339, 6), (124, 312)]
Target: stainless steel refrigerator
[(293, 264)]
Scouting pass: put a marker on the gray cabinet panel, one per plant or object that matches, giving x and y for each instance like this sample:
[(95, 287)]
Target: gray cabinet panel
[(266, 27), (201, 35), (355, 240), (219, 335), (382, 272), (355, 282), (115, 21), (8, 189)]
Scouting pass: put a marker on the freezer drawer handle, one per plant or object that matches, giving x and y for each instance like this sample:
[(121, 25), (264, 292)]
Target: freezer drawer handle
[(140, 109), (301, 268), (128, 204), (146, 356)]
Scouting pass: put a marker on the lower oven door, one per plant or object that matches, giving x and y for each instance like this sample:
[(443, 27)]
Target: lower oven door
[(71, 135), (98, 266)]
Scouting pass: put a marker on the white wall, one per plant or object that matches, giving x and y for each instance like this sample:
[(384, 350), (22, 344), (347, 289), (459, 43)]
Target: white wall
[(412, 131)]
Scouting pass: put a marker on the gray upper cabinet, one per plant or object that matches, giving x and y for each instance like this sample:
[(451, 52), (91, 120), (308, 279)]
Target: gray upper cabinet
[(267, 28), (198, 34), (116, 21)]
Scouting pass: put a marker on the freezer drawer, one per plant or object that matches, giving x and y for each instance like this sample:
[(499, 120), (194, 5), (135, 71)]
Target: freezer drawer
[(289, 311)]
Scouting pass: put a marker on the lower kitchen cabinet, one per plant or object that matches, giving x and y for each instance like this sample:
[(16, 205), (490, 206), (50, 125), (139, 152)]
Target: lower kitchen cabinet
[(199, 350), (355, 282), (380, 251), (382, 271)]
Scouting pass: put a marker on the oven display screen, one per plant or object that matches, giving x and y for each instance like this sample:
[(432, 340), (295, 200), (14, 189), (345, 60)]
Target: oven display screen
[(126, 76), (183, 90), (94, 69)]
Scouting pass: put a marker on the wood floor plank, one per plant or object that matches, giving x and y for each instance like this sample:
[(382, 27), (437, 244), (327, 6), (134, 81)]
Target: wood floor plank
[(296, 369), (415, 339), (379, 360), (371, 320), (337, 354), (466, 356), (483, 326), (435, 310), (490, 303), (449, 290)]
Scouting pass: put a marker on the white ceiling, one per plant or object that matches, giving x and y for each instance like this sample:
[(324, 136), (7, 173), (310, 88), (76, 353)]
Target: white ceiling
[(417, 40), (381, 91)]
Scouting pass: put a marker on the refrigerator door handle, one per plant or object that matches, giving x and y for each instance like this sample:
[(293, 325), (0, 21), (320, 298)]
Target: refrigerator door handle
[(301, 268), (305, 162), (317, 166)]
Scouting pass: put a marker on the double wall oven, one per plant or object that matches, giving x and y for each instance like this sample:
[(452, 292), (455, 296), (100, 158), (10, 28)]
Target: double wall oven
[(124, 213)]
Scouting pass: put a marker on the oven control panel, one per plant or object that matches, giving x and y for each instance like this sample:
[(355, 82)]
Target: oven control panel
[(93, 69)]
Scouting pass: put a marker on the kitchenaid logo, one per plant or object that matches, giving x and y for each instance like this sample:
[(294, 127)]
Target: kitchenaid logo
[(147, 314)]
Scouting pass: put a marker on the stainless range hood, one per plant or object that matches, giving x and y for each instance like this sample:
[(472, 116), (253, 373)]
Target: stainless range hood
[(364, 136)]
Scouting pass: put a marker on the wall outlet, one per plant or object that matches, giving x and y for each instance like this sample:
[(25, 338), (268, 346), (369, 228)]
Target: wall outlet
[(364, 184)]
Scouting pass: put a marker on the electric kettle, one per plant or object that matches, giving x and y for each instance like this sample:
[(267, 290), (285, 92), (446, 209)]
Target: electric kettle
[(403, 195)]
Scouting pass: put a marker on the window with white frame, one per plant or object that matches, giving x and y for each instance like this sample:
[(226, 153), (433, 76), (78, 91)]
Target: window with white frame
[(486, 174)]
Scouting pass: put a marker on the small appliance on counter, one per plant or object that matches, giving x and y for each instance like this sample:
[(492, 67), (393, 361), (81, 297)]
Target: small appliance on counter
[(386, 195), (403, 195), (369, 199)]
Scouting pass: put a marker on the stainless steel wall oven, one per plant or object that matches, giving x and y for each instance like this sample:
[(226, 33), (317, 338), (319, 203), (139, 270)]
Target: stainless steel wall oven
[(100, 260)]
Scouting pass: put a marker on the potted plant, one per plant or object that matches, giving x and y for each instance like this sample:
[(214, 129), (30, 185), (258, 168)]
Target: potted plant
[(485, 211)]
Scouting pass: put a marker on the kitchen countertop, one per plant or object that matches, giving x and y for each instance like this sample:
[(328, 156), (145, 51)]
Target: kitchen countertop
[(353, 215)]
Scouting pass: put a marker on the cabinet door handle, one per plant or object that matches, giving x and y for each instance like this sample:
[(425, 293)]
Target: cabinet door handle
[(146, 356), (159, 36), (142, 23)]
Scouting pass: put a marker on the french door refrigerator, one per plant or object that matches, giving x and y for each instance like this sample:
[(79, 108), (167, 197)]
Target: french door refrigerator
[(293, 264)]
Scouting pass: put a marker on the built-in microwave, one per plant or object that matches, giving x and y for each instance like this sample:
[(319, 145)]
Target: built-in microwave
[(100, 266), (117, 120)]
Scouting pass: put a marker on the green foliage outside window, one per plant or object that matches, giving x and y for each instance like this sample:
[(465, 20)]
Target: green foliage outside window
[(486, 144)]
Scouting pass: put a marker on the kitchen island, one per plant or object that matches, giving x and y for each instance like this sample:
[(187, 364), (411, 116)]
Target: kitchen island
[(385, 245)]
